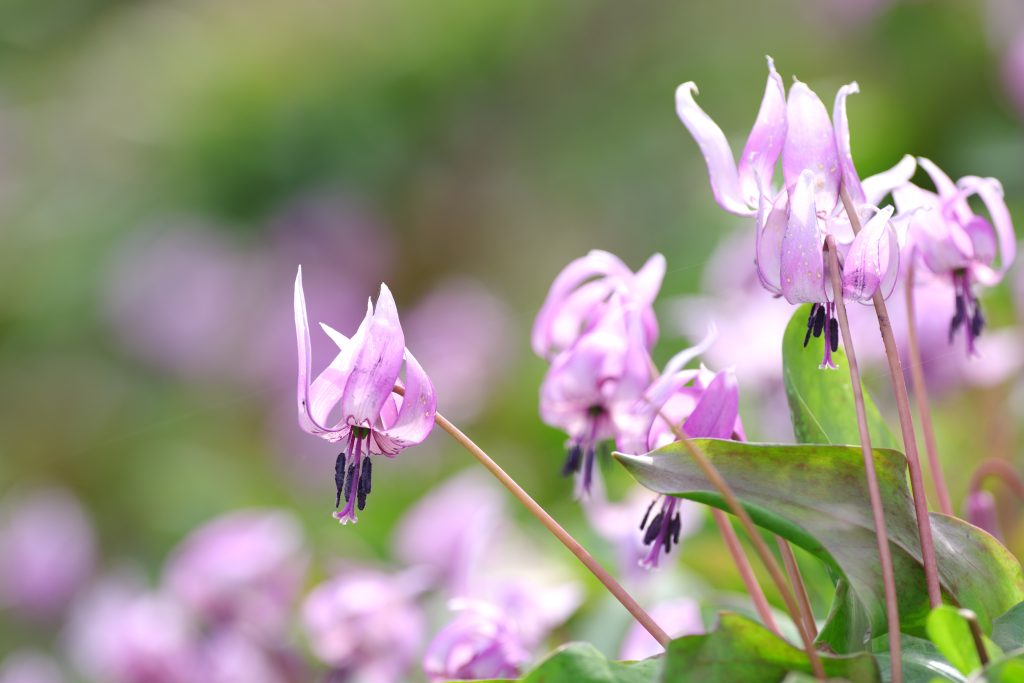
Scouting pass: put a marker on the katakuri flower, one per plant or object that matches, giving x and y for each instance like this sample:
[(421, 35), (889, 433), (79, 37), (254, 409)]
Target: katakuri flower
[(792, 225), (958, 244), (582, 293), (481, 642), (605, 371), (360, 383)]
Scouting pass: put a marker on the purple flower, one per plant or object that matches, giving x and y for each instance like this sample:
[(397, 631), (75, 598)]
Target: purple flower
[(582, 293), (604, 372), (680, 617), (481, 642), (243, 568), (365, 624), (958, 244), (228, 656), (25, 666), (980, 510), (791, 225), (47, 552), (360, 383)]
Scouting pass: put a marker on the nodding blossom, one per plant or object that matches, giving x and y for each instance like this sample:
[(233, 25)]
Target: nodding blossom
[(582, 293), (481, 642), (360, 383), (956, 243), (604, 372), (792, 224)]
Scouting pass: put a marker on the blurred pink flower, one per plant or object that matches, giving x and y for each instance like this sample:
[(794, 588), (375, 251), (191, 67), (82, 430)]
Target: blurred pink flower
[(121, 633), (680, 617), (980, 510), (463, 333), (480, 642), (244, 568), (228, 656), (1013, 72), (449, 529), (25, 666), (366, 624), (47, 551)]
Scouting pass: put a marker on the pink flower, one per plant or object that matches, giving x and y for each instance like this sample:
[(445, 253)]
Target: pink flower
[(243, 568), (1013, 72), (481, 642), (47, 552), (360, 383)]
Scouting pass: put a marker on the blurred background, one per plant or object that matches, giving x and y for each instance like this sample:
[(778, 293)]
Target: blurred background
[(166, 166)]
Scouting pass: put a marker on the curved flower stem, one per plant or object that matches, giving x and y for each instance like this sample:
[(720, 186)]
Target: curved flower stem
[(924, 411), (877, 510), (899, 387), (1006, 472), (732, 542), (613, 586), (796, 580), (733, 503)]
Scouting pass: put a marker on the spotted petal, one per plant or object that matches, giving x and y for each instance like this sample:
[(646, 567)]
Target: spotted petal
[(873, 260), (771, 228), (757, 163), (802, 261), (811, 146)]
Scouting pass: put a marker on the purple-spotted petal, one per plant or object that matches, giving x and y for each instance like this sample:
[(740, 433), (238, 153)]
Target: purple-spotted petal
[(991, 193), (811, 146), (722, 172), (802, 261), (714, 416), (876, 187), (376, 362), (771, 228), (842, 133), (757, 163), (415, 418), (872, 262)]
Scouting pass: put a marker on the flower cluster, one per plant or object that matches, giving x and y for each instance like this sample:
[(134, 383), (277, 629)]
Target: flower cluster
[(821, 186)]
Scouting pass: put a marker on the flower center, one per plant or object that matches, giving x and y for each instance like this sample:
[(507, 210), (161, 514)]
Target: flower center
[(663, 531), (968, 311), (582, 450), (822, 321), (353, 474)]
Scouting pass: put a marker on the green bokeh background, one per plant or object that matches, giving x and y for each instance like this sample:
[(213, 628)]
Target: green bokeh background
[(493, 139)]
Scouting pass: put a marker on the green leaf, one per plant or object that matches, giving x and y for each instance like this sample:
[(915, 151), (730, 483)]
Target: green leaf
[(582, 663), (816, 497), (1008, 629), (821, 401), (743, 650), (1008, 669), (949, 630), (922, 662)]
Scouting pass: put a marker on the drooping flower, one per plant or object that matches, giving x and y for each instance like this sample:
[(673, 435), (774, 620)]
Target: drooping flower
[(244, 569), (481, 642), (582, 293), (958, 244), (679, 617), (365, 624), (605, 371), (47, 552), (360, 382), (791, 225)]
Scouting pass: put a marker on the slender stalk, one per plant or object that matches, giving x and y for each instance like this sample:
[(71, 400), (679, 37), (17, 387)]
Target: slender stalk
[(874, 494), (733, 503), (979, 642), (899, 386), (796, 580), (1006, 472), (613, 586), (732, 542), (924, 411)]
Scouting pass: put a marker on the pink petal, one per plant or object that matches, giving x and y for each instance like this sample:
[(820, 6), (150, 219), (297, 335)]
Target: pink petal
[(872, 262), (757, 163), (725, 181), (306, 396), (715, 414), (991, 193), (876, 187), (943, 246), (646, 285), (376, 362), (947, 190), (772, 221), (416, 416), (811, 146), (842, 136), (802, 261)]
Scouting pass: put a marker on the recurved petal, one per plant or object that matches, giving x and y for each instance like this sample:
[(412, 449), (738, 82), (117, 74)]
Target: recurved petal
[(771, 228), (646, 285), (376, 362), (811, 146), (415, 418), (876, 187), (757, 163), (991, 192), (714, 416), (305, 396), (842, 134), (872, 262), (725, 182), (956, 204), (802, 261)]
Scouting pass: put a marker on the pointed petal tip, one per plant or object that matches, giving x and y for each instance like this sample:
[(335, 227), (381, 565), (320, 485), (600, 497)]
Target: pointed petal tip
[(687, 90)]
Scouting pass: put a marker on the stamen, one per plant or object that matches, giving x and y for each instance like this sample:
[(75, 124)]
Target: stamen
[(364, 483), (677, 526), (819, 320), (978, 321), (350, 484), (810, 324), (654, 529), (339, 477), (573, 458), (833, 334), (647, 514)]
